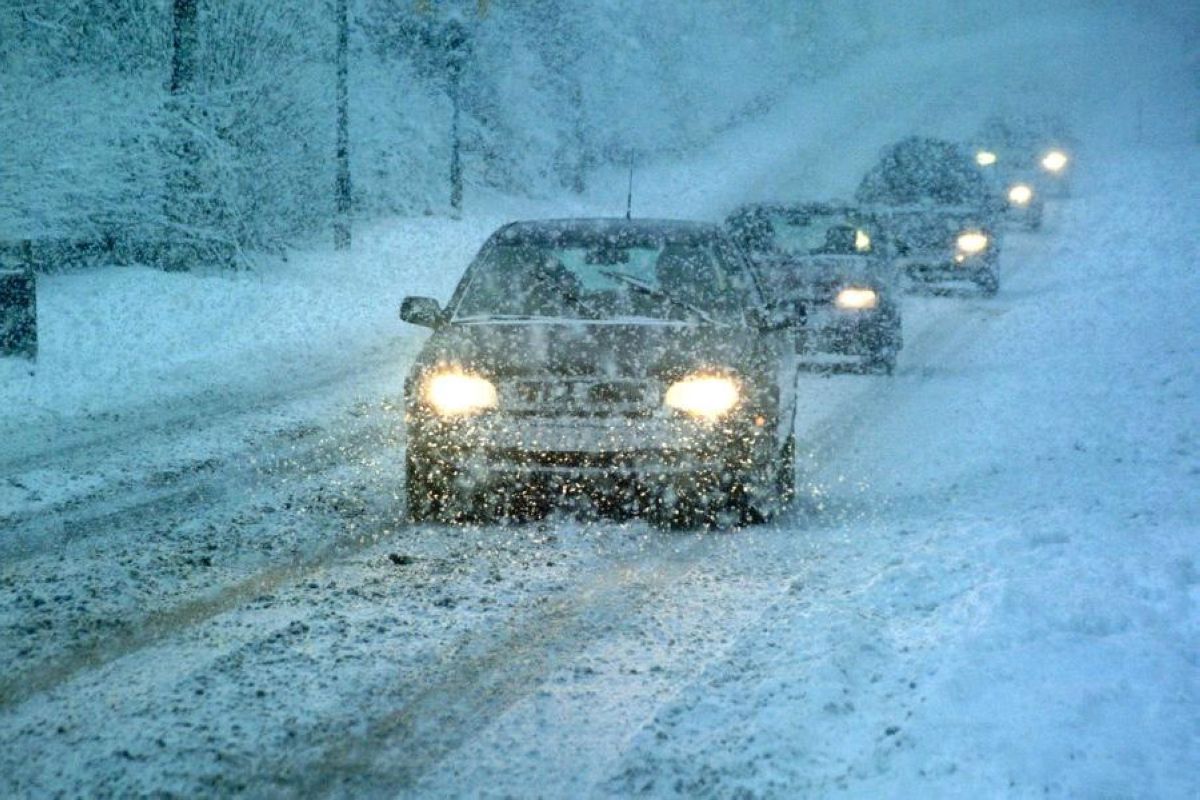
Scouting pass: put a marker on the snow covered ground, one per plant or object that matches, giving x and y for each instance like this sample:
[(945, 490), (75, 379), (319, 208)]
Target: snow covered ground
[(990, 586)]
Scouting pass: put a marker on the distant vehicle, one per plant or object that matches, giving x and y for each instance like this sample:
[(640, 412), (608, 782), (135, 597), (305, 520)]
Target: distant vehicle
[(634, 361), (1033, 150), (18, 304), (831, 261), (1023, 202), (939, 212)]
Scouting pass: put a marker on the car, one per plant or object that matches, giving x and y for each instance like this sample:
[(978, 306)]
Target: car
[(831, 262), (939, 213), (632, 363), (18, 304), (1034, 150), (1023, 205)]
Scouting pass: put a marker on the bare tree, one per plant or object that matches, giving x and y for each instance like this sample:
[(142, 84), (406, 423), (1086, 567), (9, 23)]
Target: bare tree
[(182, 179), (341, 224)]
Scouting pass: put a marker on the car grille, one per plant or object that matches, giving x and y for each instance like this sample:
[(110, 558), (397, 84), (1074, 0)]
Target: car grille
[(578, 398), (573, 460)]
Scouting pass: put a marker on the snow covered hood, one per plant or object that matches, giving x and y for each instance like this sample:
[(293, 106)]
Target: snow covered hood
[(613, 348)]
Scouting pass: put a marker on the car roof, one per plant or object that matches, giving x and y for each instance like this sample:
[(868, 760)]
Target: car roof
[(830, 207), (588, 227)]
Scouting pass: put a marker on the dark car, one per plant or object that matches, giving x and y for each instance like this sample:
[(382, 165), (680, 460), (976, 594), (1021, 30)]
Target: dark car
[(18, 305), (1032, 150), (633, 362), (832, 263), (939, 212)]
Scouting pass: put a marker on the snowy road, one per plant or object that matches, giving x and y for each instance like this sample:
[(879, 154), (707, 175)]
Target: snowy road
[(989, 586), (990, 581)]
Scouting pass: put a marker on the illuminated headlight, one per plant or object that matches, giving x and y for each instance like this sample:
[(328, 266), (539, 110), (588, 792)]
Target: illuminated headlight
[(1020, 194), (1055, 161), (862, 241), (703, 396), (458, 394), (972, 243), (852, 299), (985, 158)]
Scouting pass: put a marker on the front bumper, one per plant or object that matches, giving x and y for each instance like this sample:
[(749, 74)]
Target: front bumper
[(509, 449), (828, 330), (1027, 216), (935, 270)]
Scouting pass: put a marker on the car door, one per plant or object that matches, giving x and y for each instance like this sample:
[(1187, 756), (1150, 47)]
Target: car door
[(779, 343)]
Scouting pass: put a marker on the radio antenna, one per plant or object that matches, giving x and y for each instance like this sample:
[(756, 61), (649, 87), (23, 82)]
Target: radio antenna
[(629, 196)]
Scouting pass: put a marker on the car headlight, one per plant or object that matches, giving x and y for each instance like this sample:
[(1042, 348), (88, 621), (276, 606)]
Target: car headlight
[(862, 241), (985, 158), (856, 299), (704, 396), (1055, 161), (1020, 194), (453, 393), (972, 243)]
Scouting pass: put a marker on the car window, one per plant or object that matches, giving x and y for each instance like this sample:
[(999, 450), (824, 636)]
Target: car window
[(664, 279)]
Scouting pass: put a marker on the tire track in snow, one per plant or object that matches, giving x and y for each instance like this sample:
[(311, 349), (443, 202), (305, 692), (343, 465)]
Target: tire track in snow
[(161, 623), (133, 526), (480, 678), (26, 449), (189, 489)]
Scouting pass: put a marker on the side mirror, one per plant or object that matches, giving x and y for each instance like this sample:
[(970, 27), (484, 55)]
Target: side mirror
[(772, 318), (841, 240), (424, 311)]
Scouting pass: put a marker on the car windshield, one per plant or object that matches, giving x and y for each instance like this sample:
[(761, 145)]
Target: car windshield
[(817, 235), (670, 280), (923, 171)]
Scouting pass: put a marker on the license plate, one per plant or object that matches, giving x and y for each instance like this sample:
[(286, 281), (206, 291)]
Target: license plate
[(575, 438)]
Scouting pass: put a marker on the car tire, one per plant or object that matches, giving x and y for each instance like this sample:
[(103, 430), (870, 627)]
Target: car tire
[(885, 348), (428, 491), (759, 498), (989, 283), (684, 506), (883, 361)]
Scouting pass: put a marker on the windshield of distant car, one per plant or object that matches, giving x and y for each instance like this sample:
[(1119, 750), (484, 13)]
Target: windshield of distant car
[(924, 171), (810, 235), (673, 280)]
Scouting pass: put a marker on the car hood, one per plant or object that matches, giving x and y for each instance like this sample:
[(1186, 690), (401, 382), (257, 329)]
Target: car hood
[(614, 349), (925, 229), (810, 276)]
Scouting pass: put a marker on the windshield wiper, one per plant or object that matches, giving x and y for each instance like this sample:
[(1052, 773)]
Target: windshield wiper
[(547, 280), (496, 318), (654, 291)]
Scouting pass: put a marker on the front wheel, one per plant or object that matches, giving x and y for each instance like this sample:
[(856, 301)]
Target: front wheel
[(428, 489), (883, 361), (770, 489), (989, 283)]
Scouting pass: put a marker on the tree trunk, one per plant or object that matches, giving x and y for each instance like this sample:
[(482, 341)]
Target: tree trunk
[(183, 181), (456, 187), (457, 42), (341, 224)]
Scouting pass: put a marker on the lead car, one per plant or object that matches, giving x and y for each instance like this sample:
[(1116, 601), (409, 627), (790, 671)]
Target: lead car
[(635, 363)]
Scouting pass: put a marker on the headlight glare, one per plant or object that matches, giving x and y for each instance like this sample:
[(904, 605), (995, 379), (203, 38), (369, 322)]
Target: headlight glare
[(1055, 161), (1020, 194), (862, 241), (985, 158), (703, 396), (856, 299), (453, 393), (972, 243)]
